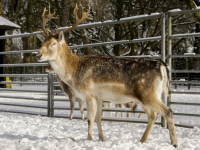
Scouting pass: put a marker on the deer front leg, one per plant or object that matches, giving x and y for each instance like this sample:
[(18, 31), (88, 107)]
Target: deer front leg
[(120, 106), (98, 120), (109, 106), (102, 112), (91, 113), (72, 103), (128, 105), (81, 104), (116, 114)]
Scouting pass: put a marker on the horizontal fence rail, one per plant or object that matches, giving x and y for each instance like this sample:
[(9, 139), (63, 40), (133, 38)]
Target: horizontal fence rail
[(176, 36), (188, 55), (23, 97), (128, 120), (117, 42), (24, 105), (32, 83), (93, 45), (181, 103), (19, 52), (183, 92), (16, 90), (23, 75), (24, 65), (91, 25), (185, 71), (182, 12), (185, 82)]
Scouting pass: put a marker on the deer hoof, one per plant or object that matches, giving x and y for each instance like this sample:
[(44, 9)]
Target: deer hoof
[(101, 139), (89, 138), (175, 145)]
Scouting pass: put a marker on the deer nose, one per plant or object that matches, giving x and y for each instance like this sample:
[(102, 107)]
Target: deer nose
[(38, 56)]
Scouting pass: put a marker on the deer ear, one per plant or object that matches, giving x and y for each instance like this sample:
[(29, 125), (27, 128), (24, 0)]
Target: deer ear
[(41, 37), (61, 38)]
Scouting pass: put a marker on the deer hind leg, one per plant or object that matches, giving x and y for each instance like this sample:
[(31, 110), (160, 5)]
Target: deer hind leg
[(103, 105), (116, 114), (152, 116), (91, 113), (98, 120), (129, 105), (81, 104), (72, 103), (109, 106), (159, 107), (117, 106), (140, 115), (120, 106), (134, 107)]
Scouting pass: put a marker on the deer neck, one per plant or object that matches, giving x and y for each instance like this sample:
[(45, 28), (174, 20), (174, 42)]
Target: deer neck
[(65, 64)]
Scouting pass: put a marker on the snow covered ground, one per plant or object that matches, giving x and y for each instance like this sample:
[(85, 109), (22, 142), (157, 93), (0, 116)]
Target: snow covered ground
[(28, 132)]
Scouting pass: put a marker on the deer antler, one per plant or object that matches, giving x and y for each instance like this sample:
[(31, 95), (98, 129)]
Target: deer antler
[(50, 16), (78, 21)]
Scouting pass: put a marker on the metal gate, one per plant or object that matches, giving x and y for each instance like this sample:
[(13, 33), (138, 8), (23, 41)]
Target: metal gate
[(49, 106), (170, 37)]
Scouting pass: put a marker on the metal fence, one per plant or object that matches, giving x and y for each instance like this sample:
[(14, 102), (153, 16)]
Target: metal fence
[(170, 37), (50, 100)]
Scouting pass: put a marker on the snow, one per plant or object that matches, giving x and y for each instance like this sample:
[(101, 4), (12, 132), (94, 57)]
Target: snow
[(7, 23), (36, 132), (189, 53), (155, 13), (174, 10)]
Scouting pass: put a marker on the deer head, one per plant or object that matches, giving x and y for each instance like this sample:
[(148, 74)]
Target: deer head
[(52, 42)]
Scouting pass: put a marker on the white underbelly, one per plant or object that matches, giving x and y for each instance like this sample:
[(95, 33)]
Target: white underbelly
[(107, 92), (118, 99), (79, 95), (115, 97)]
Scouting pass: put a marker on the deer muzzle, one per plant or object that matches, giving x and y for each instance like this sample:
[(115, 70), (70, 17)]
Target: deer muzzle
[(38, 56)]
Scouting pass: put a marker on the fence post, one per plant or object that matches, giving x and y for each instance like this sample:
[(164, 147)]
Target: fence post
[(50, 95), (163, 56), (169, 53)]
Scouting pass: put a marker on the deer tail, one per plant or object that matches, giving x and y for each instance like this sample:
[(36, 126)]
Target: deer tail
[(165, 78)]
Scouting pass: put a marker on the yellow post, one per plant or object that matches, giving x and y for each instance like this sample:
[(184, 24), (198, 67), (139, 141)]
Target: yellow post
[(9, 86)]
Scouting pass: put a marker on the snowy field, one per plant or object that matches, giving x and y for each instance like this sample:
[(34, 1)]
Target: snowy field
[(29, 132)]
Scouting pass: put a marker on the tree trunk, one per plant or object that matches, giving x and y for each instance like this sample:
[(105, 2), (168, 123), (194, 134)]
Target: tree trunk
[(88, 50), (132, 52), (119, 6), (65, 16), (191, 4), (10, 32), (29, 42), (117, 38), (1, 9)]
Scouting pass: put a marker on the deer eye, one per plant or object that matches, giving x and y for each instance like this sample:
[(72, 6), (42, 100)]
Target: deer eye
[(53, 44)]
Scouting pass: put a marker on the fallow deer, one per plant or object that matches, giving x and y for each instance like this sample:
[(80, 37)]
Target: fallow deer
[(69, 92), (128, 105), (98, 78)]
